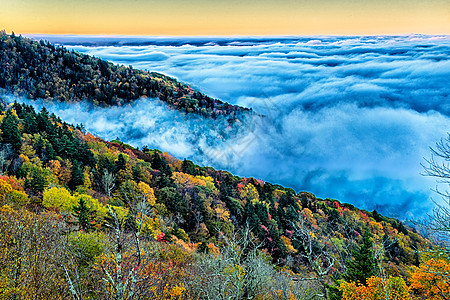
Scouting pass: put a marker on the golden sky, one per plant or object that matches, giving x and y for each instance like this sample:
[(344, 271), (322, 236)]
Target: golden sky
[(230, 17)]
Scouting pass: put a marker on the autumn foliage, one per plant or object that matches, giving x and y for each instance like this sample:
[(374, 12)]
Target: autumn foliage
[(74, 208)]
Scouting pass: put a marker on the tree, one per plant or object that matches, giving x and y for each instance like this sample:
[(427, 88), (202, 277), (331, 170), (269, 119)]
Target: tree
[(320, 258), (83, 214), (363, 265), (5, 153), (236, 270), (59, 198), (121, 163), (108, 182), (121, 281), (392, 288), (77, 175), (439, 166), (432, 278), (30, 254), (10, 131)]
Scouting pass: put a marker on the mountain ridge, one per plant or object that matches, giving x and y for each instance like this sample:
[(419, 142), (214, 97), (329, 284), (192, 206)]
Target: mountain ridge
[(43, 70)]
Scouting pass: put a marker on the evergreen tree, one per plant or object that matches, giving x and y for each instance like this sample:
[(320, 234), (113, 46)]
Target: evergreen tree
[(157, 162), (29, 123), (77, 175), (10, 131), (42, 120), (121, 163), (51, 154), (37, 182), (137, 173), (83, 214), (160, 164), (363, 264), (188, 167)]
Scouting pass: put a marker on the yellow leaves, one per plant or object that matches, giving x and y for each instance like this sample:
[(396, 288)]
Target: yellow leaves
[(249, 193), (24, 158), (186, 181), (88, 178), (61, 169), (54, 166), (203, 230), (5, 187), (209, 182), (392, 288), (151, 226), (11, 196), (17, 198), (147, 192), (234, 271), (221, 212), (27, 151), (177, 291), (59, 198)]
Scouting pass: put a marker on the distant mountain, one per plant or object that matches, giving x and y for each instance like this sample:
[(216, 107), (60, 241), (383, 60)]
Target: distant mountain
[(43, 70)]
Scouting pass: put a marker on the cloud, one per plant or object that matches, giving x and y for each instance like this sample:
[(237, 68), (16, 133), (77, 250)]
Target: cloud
[(346, 117)]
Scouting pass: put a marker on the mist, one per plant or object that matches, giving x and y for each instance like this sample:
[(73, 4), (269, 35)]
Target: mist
[(349, 118)]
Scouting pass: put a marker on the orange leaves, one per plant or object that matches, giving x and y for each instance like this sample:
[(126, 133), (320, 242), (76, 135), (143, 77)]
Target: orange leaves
[(63, 171), (376, 228), (392, 288), (432, 278), (364, 216), (160, 274)]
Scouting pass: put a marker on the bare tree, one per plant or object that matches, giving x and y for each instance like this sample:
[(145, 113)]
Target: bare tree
[(319, 256), (238, 271), (108, 182), (123, 283), (438, 166)]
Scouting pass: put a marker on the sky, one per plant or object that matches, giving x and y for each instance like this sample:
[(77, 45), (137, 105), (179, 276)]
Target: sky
[(349, 118), (230, 17)]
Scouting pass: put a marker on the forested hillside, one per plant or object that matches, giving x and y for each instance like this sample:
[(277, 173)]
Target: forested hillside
[(84, 218), (43, 70)]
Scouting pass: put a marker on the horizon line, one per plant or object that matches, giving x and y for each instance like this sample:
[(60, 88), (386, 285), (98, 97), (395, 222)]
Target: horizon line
[(227, 36)]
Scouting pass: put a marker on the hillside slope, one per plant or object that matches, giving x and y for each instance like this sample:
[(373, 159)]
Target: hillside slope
[(74, 185), (43, 70)]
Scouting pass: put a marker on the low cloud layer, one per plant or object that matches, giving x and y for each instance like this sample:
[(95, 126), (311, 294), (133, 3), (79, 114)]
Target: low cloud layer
[(346, 118)]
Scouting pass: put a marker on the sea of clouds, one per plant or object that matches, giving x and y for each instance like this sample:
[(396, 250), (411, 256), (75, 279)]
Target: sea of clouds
[(349, 118)]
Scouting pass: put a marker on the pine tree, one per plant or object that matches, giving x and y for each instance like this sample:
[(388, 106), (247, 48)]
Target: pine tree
[(77, 175), (188, 167), (10, 131), (363, 264), (30, 124), (83, 214), (121, 163)]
